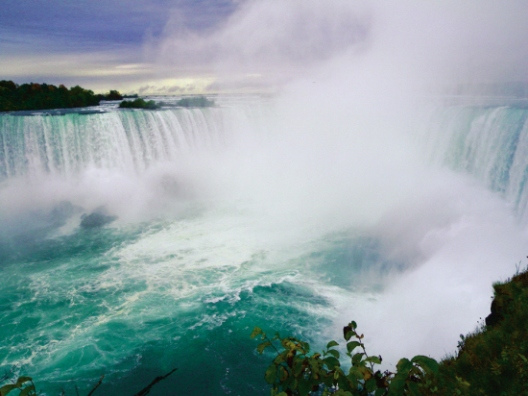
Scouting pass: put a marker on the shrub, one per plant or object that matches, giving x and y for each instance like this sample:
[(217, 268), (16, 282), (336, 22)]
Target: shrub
[(491, 361), (294, 371)]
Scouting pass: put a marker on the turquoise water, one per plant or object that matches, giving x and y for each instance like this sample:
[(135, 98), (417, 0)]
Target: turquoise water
[(226, 219), (95, 302)]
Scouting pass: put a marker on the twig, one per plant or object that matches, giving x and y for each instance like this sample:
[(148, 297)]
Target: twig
[(146, 391), (96, 386)]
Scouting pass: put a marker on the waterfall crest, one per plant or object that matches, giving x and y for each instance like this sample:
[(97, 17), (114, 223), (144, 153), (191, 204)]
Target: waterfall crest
[(488, 142), (128, 141)]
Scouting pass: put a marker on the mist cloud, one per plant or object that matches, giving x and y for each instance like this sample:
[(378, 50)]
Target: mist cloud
[(447, 42), (275, 40)]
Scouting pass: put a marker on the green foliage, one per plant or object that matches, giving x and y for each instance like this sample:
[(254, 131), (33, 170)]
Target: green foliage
[(494, 360), (296, 371), (138, 104), (195, 101), (113, 95), (24, 385), (491, 361), (35, 96)]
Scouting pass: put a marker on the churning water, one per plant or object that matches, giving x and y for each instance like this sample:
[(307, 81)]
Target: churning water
[(133, 242)]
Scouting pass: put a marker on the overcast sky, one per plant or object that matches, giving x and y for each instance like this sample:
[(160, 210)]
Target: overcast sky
[(186, 46), (99, 44)]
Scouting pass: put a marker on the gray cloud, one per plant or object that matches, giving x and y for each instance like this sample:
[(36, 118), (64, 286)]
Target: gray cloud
[(260, 45), (57, 41), (445, 42), (273, 39)]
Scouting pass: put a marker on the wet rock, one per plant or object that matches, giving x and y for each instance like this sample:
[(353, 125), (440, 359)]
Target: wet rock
[(96, 220)]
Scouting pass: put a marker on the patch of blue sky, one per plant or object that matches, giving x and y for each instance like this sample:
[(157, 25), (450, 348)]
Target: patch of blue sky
[(98, 25)]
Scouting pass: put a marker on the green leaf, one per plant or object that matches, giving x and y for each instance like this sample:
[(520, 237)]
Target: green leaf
[(370, 385), (373, 359), (334, 353), (288, 343), (304, 387), (331, 362), (256, 331), (347, 332), (298, 367), (279, 359), (328, 379), (414, 388), (354, 375), (404, 366), (352, 345), (331, 344), (347, 382), (356, 359), (315, 365), (397, 386), (264, 345), (271, 374), (427, 363), (283, 374)]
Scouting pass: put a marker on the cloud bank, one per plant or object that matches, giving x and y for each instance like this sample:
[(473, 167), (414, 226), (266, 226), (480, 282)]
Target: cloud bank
[(256, 45), (265, 44)]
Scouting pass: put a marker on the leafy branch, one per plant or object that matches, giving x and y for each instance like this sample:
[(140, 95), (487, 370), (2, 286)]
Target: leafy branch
[(296, 371)]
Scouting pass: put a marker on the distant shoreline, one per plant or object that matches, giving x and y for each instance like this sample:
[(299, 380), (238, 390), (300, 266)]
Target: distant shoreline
[(30, 97), (35, 96)]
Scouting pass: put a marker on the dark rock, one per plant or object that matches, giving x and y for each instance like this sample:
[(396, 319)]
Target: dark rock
[(496, 314), (96, 220), (502, 301)]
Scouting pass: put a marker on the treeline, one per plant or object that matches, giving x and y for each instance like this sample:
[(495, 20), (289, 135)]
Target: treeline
[(194, 101), (139, 104), (33, 96)]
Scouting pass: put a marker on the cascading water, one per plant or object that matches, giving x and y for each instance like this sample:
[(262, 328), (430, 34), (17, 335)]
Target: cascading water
[(126, 141), (244, 215), (488, 142)]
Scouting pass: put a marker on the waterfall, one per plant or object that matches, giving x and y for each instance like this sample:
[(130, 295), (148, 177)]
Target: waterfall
[(128, 141), (488, 142)]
